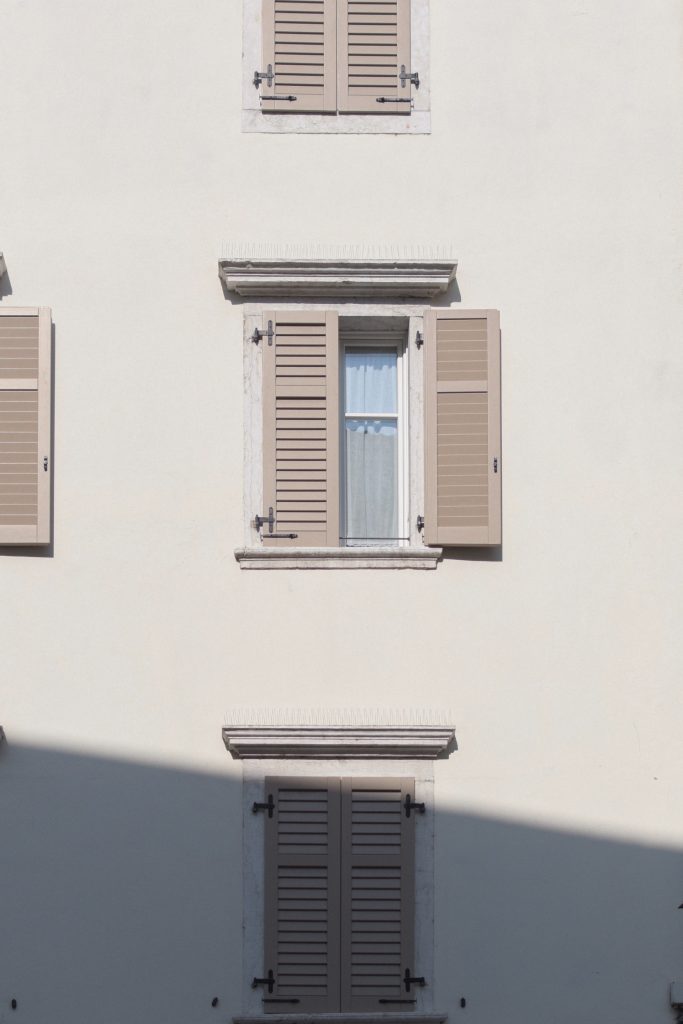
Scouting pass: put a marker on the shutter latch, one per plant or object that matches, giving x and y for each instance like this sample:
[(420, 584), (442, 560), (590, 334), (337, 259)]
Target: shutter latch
[(264, 76), (269, 982), (408, 980), (410, 805), (405, 77), (269, 806), (260, 521), (269, 334)]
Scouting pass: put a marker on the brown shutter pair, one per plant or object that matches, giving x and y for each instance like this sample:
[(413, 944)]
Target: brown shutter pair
[(339, 895), (326, 56), (25, 425), (301, 428)]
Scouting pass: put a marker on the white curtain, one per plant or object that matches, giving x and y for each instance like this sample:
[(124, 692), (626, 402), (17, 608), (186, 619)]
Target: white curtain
[(371, 447)]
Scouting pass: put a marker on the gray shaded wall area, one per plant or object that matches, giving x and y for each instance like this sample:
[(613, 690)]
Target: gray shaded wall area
[(120, 889)]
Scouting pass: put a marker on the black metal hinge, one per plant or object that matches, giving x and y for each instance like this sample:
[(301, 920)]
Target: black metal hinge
[(288, 99), (269, 806), (260, 521), (269, 334), (405, 77), (420, 523), (410, 805), (408, 980), (419, 339), (391, 99), (495, 465), (269, 982), (264, 76)]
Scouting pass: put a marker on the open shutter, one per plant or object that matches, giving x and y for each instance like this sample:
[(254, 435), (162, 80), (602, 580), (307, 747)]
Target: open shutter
[(373, 48), (299, 56), (462, 427), (301, 429), (302, 896), (378, 884), (25, 425)]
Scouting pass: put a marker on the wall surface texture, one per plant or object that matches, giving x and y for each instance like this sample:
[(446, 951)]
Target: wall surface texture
[(553, 172)]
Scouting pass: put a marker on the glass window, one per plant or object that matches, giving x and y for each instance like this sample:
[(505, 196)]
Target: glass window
[(371, 450)]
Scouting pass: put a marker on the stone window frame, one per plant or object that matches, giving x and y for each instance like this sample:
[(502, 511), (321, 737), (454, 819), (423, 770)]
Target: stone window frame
[(255, 120)]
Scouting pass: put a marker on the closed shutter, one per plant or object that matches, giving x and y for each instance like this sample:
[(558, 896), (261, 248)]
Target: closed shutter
[(301, 428), (373, 45), (462, 427), (302, 896), (299, 47), (378, 856), (25, 425)]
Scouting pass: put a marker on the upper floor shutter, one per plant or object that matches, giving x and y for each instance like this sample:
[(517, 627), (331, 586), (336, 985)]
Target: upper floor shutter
[(299, 48), (462, 427), (301, 428), (25, 425), (378, 882), (373, 47), (302, 895)]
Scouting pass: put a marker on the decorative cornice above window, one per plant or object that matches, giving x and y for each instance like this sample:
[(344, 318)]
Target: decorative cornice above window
[(354, 733), (349, 273)]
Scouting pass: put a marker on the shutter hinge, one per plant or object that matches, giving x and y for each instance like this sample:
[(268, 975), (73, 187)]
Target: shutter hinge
[(391, 99), (419, 339), (495, 465), (405, 77), (269, 806), (264, 76), (408, 980), (287, 99), (45, 463), (258, 334), (260, 521), (268, 981), (420, 523), (410, 805)]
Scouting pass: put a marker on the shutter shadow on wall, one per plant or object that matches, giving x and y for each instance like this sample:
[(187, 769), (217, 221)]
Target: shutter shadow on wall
[(462, 427), (25, 425), (301, 428), (299, 47)]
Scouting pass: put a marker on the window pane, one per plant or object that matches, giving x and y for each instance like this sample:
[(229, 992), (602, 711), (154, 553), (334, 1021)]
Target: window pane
[(370, 381), (371, 481)]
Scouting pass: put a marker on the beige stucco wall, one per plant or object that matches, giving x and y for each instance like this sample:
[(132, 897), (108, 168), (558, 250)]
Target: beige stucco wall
[(554, 172)]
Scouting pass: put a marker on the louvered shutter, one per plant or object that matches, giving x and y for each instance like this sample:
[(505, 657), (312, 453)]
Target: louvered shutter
[(373, 45), (25, 425), (378, 883), (301, 428), (299, 46), (462, 427), (302, 895)]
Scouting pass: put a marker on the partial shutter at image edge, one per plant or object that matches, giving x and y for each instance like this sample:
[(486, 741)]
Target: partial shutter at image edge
[(301, 428), (377, 895), (299, 46), (369, 63), (462, 428), (302, 962), (25, 425)]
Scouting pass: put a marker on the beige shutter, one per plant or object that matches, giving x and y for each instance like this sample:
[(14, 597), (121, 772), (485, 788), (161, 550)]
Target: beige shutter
[(373, 45), (301, 428), (462, 427), (25, 425), (378, 884), (299, 47), (302, 896)]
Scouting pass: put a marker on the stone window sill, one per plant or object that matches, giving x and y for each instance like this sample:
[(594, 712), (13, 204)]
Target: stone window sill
[(338, 558)]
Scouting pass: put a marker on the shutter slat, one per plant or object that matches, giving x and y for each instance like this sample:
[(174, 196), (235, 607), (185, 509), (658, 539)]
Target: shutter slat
[(377, 891), (462, 427), (302, 894), (25, 425), (299, 43), (301, 429)]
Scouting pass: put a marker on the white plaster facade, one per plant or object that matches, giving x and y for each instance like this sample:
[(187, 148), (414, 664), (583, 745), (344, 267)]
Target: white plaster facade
[(553, 172)]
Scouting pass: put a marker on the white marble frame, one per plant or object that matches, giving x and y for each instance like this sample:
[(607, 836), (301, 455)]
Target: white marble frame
[(415, 555), (253, 863), (417, 123)]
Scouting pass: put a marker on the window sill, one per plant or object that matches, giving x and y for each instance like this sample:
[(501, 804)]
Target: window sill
[(414, 1016), (338, 558)]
